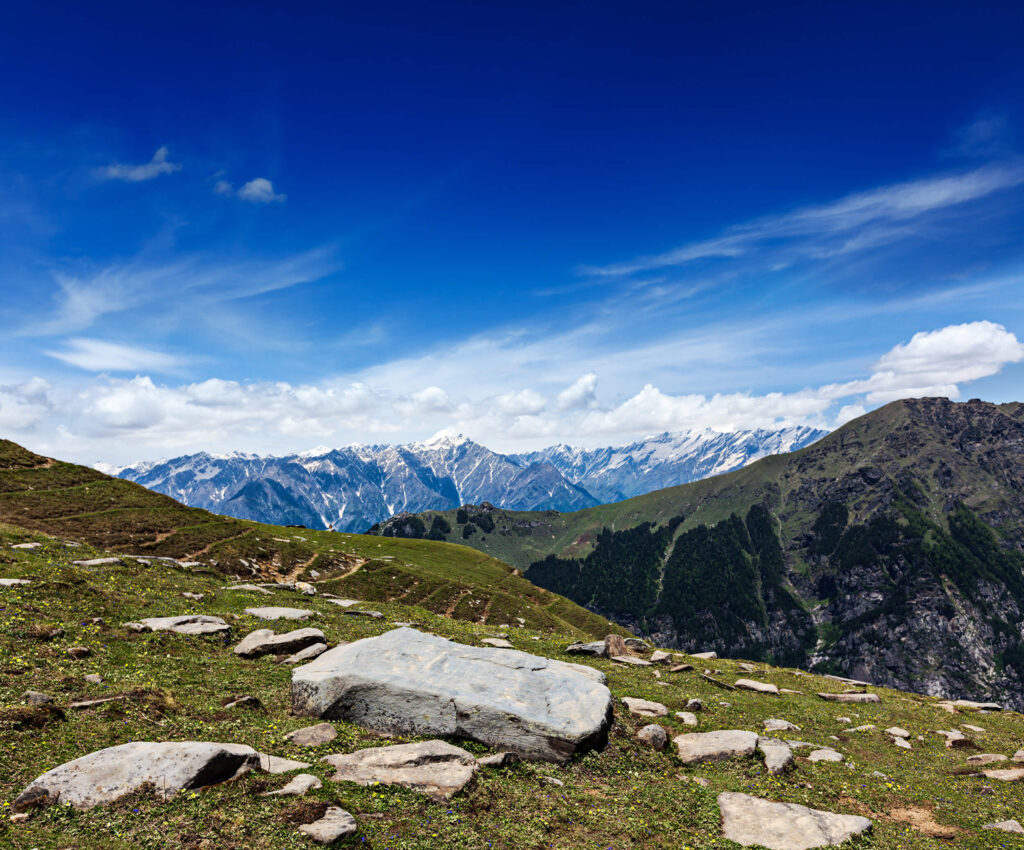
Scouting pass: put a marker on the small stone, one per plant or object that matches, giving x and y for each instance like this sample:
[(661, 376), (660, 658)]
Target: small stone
[(32, 545), (1006, 826), (971, 705), (136, 627), (13, 582), (335, 824), (376, 615), (986, 758), (252, 588), (344, 603), (897, 732), (498, 643), (789, 691), (279, 613), (307, 654), (777, 754), (299, 785), (314, 574), (77, 652), (660, 657), (850, 697), (435, 768), (93, 678), (825, 754), (276, 764), (498, 760), (867, 727), (687, 717), (187, 624), (705, 655), (696, 780), (551, 780), (96, 562), (265, 642), (36, 698), (1019, 755), (595, 648), (946, 706), (644, 708), (971, 728), (845, 720), (632, 660), (313, 736), (1011, 774), (615, 646), (680, 668), (653, 736), (694, 705), (696, 747), (757, 687), (776, 725), (198, 597), (902, 743), (305, 588), (244, 701)]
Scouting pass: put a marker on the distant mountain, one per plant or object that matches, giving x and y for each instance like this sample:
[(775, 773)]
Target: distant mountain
[(614, 474), (355, 487), (891, 550)]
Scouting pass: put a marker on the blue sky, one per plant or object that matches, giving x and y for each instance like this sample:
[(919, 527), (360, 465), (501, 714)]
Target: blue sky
[(265, 227)]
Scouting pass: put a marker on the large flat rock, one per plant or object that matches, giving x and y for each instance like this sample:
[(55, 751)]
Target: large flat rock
[(107, 775), (276, 612), (187, 624), (265, 642), (435, 768), (409, 682), (696, 747), (784, 826)]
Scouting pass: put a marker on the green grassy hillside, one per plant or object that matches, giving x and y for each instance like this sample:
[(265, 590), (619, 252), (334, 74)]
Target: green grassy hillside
[(172, 687), (82, 505)]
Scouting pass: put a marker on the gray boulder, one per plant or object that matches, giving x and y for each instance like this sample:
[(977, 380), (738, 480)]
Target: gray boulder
[(107, 775), (187, 624), (274, 612), (297, 787), (784, 826), (314, 650), (313, 736), (409, 682), (595, 648), (777, 754), (774, 724), (654, 736), (435, 768), (336, 823), (695, 747), (644, 707), (1006, 826), (265, 642)]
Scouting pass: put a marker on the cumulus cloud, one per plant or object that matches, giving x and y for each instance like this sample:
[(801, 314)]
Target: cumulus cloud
[(101, 356), (24, 405), (159, 164), (259, 191), (582, 393)]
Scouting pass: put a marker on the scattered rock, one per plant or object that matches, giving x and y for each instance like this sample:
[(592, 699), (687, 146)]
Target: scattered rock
[(136, 627), (654, 736), (32, 545), (551, 780), (970, 705), (971, 728), (750, 820), (278, 613), (824, 754), (615, 646), (499, 643), (758, 687), (660, 657), (694, 705), (109, 774), (187, 624), (1010, 774), (254, 588), (336, 823), (705, 655), (867, 727), (1019, 755), (297, 787), (850, 697), (946, 706), (897, 732), (845, 720), (986, 758), (595, 648), (777, 754), (312, 651), (1005, 826), (954, 738), (687, 717), (630, 659), (410, 682), (644, 708), (93, 678), (902, 743), (680, 668), (498, 760), (313, 736), (305, 588), (13, 582), (276, 764), (344, 603), (96, 562), (776, 725), (265, 642), (435, 768), (36, 698), (789, 691), (695, 747), (77, 652), (244, 701), (197, 597), (83, 704), (352, 612)]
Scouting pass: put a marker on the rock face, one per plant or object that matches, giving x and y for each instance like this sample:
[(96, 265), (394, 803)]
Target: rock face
[(696, 747), (336, 823), (409, 682), (187, 624), (784, 826), (276, 613), (435, 768), (265, 642), (107, 775)]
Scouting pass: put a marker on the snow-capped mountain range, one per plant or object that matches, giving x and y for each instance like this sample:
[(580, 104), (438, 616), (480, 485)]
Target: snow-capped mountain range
[(351, 488)]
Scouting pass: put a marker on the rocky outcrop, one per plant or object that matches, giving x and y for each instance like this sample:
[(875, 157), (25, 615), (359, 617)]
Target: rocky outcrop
[(409, 682)]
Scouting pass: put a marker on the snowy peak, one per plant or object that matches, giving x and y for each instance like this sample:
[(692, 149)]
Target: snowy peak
[(354, 487)]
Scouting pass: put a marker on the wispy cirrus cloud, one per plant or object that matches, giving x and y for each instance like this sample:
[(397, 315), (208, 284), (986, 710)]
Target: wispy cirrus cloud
[(97, 355), (851, 223), (159, 164)]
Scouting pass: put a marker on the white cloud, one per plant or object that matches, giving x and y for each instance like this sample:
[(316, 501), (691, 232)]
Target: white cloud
[(582, 394), (158, 165), (832, 228), (223, 187), (258, 191), (24, 405), (101, 356)]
